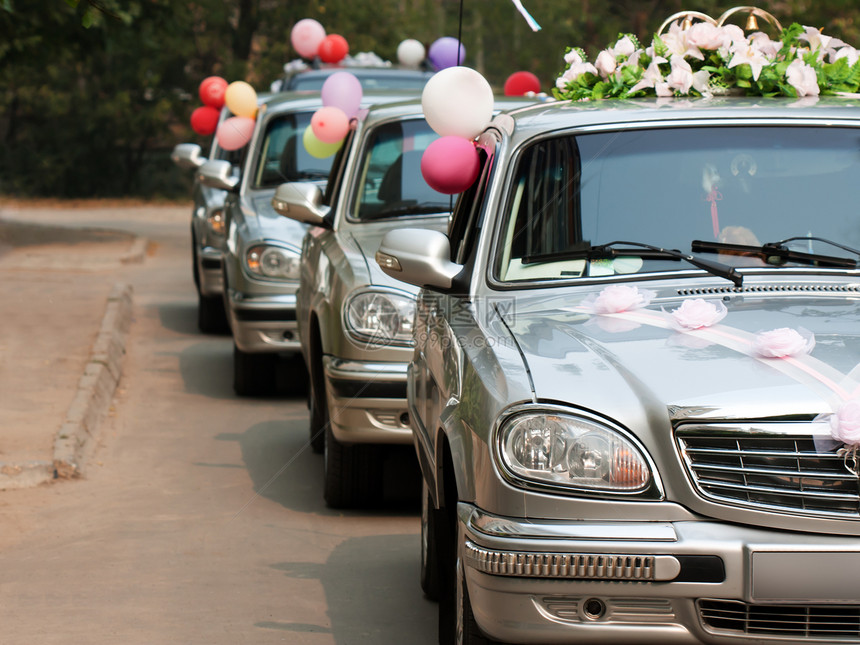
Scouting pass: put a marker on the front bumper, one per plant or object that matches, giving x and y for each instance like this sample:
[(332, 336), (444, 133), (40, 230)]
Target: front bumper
[(211, 272), (367, 401), (651, 582), (263, 324)]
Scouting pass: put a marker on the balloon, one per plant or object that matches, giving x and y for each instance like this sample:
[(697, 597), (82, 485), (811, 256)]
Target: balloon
[(306, 37), (457, 101), (204, 119), (446, 52), (212, 91), (317, 148), (410, 53), (521, 83), (241, 99), (342, 90), (330, 124), (235, 132), (333, 49), (450, 165)]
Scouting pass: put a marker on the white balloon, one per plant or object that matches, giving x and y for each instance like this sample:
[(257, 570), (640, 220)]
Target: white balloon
[(410, 53), (457, 101)]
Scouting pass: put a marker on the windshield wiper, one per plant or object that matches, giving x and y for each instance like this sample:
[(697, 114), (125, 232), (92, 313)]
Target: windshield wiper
[(777, 254), (608, 250)]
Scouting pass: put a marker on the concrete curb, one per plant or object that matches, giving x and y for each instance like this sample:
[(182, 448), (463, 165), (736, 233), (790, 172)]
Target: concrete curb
[(96, 386)]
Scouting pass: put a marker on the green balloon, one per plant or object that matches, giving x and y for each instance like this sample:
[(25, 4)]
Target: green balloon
[(317, 148)]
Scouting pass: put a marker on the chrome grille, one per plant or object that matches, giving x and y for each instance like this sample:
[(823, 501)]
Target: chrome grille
[(797, 621), (775, 468)]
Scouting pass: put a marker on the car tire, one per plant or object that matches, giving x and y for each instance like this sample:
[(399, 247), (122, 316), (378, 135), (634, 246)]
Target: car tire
[(211, 317), (353, 473), (318, 409), (457, 625), (429, 545), (254, 374)]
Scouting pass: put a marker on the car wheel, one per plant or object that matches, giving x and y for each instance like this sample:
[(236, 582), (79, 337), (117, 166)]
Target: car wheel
[(429, 544), (211, 317), (254, 374), (352, 473), (457, 625), (318, 408)]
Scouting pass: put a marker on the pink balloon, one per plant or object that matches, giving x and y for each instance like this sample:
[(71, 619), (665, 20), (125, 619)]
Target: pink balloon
[(330, 124), (306, 37), (450, 165), (235, 132), (342, 90)]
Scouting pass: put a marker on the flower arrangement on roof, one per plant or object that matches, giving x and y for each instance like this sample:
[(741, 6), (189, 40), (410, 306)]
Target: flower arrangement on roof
[(707, 59)]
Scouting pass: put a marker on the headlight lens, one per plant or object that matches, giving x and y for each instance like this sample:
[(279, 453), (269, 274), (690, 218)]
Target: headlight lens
[(572, 451), (380, 318), (273, 262), (215, 221)]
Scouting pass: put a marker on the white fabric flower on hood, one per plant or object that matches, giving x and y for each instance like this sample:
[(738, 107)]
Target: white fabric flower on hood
[(802, 78)]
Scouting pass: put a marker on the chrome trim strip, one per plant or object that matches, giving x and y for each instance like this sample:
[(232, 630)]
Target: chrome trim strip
[(349, 369), (577, 566)]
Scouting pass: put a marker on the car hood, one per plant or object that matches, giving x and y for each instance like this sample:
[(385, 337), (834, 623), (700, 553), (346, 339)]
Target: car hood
[(269, 225), (638, 364), (367, 237)]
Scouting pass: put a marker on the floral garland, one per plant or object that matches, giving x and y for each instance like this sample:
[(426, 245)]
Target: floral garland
[(706, 60)]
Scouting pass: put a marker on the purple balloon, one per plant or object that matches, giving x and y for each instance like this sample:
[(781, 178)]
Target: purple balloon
[(446, 52), (342, 90)]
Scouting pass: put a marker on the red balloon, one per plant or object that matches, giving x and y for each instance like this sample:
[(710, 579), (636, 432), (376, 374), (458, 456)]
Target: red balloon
[(450, 164), (204, 120), (212, 91), (520, 83), (333, 49)]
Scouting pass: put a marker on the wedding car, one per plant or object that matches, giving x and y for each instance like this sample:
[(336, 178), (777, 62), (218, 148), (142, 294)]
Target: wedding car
[(635, 385), (260, 258), (355, 323)]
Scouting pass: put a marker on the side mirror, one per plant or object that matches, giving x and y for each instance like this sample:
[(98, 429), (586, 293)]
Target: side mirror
[(420, 257), (188, 156), (218, 173), (301, 201)]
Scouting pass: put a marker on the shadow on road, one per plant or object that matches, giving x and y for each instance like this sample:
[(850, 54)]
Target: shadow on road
[(285, 470), (367, 605)]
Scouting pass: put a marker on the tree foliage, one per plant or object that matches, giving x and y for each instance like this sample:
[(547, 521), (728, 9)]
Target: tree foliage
[(95, 93)]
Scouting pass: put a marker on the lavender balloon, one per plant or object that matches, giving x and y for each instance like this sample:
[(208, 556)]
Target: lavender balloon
[(342, 90), (446, 52)]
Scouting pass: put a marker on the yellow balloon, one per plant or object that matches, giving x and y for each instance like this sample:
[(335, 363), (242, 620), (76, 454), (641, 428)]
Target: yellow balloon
[(241, 99), (317, 148)]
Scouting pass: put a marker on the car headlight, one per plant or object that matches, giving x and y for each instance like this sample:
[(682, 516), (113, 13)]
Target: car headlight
[(380, 317), (273, 262), (572, 451), (215, 222)]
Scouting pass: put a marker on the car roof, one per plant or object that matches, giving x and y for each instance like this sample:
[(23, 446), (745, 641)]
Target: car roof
[(413, 107), (370, 77), (537, 118), (306, 100)]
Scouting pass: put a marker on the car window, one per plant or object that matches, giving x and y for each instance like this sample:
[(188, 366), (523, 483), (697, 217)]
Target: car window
[(667, 187), (389, 181), (282, 156)]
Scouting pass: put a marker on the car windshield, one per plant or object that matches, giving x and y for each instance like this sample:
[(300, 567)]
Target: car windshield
[(282, 155), (745, 186), (389, 181)]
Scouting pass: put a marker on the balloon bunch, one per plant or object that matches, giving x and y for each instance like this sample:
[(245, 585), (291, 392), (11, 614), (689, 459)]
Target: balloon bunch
[(240, 98), (309, 39), (457, 104), (341, 96)]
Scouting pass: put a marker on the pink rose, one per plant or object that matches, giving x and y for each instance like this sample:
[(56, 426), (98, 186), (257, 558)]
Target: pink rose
[(845, 424), (802, 78), (698, 313), (605, 63), (779, 343), (617, 298)]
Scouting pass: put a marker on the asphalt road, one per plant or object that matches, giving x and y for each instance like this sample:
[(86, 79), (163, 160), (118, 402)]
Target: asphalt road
[(200, 517)]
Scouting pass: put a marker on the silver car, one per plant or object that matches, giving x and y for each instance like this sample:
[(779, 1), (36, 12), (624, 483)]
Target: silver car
[(634, 349), (355, 322), (262, 249)]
